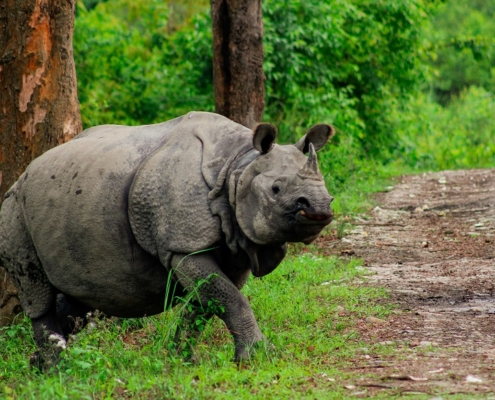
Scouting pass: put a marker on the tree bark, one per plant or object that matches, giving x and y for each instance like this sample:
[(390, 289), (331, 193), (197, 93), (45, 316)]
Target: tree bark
[(238, 60), (38, 93)]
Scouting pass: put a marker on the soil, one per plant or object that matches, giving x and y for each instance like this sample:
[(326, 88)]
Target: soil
[(431, 242)]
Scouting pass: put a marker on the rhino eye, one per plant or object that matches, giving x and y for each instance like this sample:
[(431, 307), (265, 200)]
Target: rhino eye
[(275, 189)]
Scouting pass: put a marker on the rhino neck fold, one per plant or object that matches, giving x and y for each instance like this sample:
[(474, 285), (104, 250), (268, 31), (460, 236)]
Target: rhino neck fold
[(222, 204), (262, 258), (221, 198)]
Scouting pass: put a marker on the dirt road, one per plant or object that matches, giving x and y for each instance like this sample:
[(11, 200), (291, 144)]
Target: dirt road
[(431, 242)]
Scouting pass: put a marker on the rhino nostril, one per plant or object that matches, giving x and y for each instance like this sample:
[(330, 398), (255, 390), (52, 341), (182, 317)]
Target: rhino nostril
[(302, 202)]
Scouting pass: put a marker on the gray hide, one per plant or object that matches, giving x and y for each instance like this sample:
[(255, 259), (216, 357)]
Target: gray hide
[(101, 220)]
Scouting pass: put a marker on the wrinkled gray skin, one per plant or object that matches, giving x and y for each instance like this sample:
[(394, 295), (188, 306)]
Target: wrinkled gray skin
[(100, 222)]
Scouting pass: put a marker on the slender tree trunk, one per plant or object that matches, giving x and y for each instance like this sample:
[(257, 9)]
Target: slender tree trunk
[(238, 60), (38, 93)]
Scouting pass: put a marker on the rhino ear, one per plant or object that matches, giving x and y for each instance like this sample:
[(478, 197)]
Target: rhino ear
[(264, 137), (318, 135)]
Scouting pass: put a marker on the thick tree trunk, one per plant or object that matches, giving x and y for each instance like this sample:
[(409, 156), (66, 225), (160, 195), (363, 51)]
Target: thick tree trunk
[(38, 94), (238, 60)]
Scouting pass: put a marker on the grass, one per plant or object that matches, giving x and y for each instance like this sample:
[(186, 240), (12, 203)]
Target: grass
[(296, 307)]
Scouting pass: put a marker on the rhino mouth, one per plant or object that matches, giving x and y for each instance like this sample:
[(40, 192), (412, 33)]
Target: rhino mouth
[(314, 218)]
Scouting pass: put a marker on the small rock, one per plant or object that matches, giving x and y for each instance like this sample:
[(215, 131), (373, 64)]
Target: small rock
[(375, 321), (418, 210), (195, 380), (424, 244), (425, 343), (492, 311), (417, 378), (339, 309), (387, 342), (473, 379), (442, 180)]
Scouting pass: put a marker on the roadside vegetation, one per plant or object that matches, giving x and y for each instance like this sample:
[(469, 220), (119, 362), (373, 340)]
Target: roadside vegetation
[(409, 86)]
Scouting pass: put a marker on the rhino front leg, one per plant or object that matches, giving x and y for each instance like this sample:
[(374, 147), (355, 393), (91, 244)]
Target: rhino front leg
[(201, 275)]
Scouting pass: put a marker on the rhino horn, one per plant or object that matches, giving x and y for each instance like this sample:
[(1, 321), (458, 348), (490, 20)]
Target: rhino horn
[(311, 166)]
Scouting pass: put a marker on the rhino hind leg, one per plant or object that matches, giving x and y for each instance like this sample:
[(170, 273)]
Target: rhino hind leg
[(72, 315), (64, 316), (19, 257), (202, 277), (36, 294), (50, 339)]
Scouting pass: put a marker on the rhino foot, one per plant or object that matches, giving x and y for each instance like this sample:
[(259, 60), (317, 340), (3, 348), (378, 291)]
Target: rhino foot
[(47, 359), (245, 351)]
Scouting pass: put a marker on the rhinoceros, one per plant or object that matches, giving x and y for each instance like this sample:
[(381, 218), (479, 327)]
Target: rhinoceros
[(108, 220)]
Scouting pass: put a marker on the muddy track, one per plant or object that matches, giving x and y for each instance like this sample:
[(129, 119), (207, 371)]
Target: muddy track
[(431, 242)]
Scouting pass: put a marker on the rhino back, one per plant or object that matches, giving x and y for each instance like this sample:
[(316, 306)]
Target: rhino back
[(75, 208)]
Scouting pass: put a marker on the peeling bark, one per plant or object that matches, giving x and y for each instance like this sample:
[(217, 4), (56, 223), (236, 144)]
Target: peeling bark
[(38, 93), (238, 77)]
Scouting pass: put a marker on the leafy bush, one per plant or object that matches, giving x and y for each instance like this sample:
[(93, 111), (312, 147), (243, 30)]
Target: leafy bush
[(462, 37), (338, 61), (458, 136), (358, 64), (132, 70)]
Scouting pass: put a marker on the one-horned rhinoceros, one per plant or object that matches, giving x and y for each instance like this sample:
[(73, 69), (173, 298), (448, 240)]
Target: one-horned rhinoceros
[(106, 220)]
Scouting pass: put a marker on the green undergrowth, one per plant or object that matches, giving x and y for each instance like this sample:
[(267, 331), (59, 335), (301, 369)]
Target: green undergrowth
[(308, 309)]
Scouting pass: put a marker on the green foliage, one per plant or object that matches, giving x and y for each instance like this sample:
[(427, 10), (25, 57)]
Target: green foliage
[(296, 309), (462, 37), (133, 70), (341, 61), (358, 64), (319, 67), (459, 136)]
